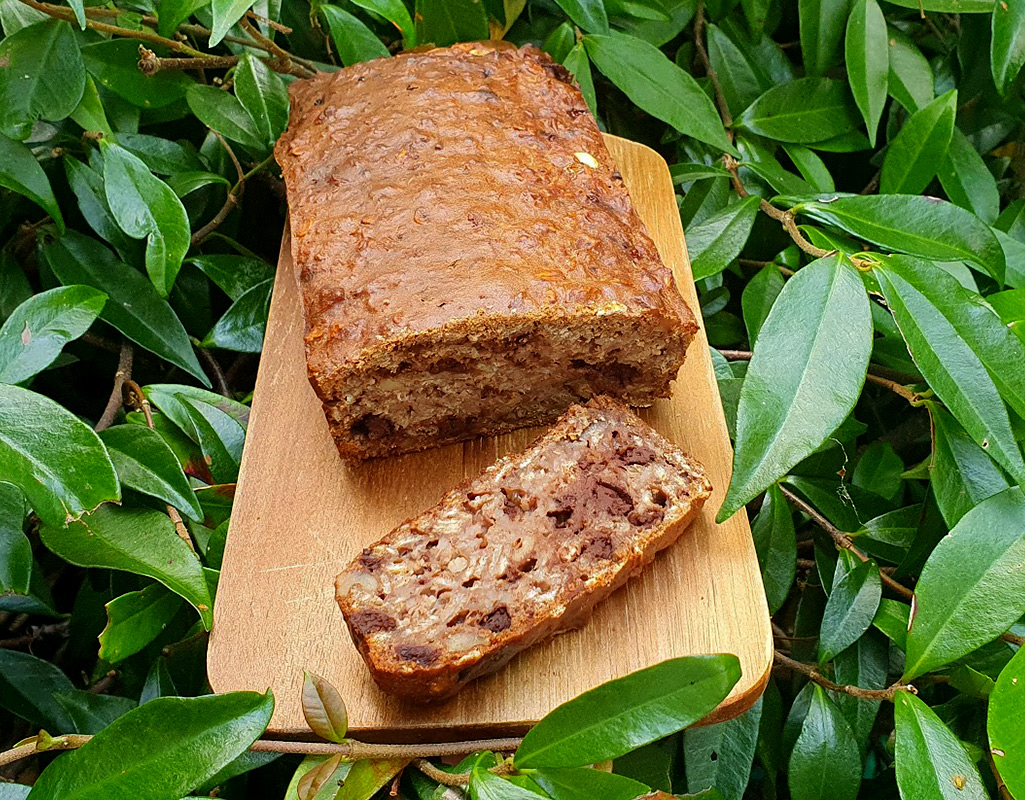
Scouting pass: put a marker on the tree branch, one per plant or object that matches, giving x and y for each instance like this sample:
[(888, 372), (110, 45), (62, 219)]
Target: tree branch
[(150, 63), (815, 676), (124, 372)]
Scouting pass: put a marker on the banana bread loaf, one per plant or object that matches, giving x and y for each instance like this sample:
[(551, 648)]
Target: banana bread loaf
[(518, 554), (467, 252)]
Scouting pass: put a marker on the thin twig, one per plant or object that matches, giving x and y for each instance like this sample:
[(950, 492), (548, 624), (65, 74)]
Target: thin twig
[(286, 63), (269, 22), (853, 691), (104, 683), (699, 44), (230, 202), (1011, 638), (124, 372), (439, 775), (1002, 790), (231, 154), (751, 262), (150, 63), (220, 384)]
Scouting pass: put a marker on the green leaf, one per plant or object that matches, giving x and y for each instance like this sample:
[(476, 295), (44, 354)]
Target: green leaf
[(879, 470), (14, 286), (354, 41), (948, 6), (688, 173), (972, 588), (811, 166), (589, 15), (170, 398), (920, 226), (21, 173), (967, 180), (90, 713), (263, 95), (27, 688), (397, 14), (850, 609), (769, 169), (89, 113), (658, 86), (136, 619), (324, 709), (485, 786), (15, 548), (1014, 253), (654, 765), (133, 305), (146, 208), (866, 47), (910, 80), (36, 332), (220, 437), (158, 682), (226, 13), (892, 619), (890, 535), (57, 460), (87, 184), (931, 762), (721, 755), (185, 183), (235, 275), (806, 375), (924, 304), (822, 29), (865, 663), (716, 241), (172, 13), (585, 784), (1007, 45), (918, 150), (803, 111), (242, 326), (366, 776), (146, 463), (758, 298), (579, 66), (1003, 723), (825, 763), (1010, 305), (776, 546), (626, 713), (740, 83), (209, 733), (135, 540), (43, 77), (445, 22), (115, 66), (160, 155), (224, 113)]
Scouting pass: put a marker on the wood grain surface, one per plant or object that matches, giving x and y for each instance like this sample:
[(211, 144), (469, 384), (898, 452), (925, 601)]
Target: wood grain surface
[(300, 515)]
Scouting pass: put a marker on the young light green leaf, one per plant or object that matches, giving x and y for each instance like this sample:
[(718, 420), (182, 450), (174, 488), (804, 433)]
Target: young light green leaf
[(57, 460), (223, 112), (354, 41), (241, 327), (931, 762), (806, 375), (866, 53), (626, 713), (146, 463), (397, 14), (776, 546), (972, 587), (28, 686), (589, 15), (114, 64), (721, 755), (921, 226), (366, 776), (850, 609), (740, 83), (822, 28), (34, 335), (220, 436), (87, 184), (658, 86), (209, 733), (43, 77), (758, 298), (1003, 723), (324, 709), (967, 180), (226, 13), (1007, 45), (585, 783), (825, 763), (716, 241), (579, 66), (445, 22), (134, 540), (21, 173), (865, 663), (804, 111), (910, 80), (146, 208), (263, 95), (136, 619), (133, 305), (811, 166), (918, 150), (923, 303), (892, 619)]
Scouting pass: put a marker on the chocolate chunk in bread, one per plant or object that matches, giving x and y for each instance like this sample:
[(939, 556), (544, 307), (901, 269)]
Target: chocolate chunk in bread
[(519, 553), (467, 252)]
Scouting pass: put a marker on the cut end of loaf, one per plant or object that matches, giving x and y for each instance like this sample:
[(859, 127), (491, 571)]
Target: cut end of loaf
[(518, 554), (481, 377)]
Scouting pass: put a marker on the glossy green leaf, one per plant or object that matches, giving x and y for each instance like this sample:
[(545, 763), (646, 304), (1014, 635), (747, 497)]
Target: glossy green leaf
[(263, 94), (802, 111), (776, 546), (716, 241), (136, 619), (185, 183), (485, 786), (758, 298), (920, 226), (90, 713), (688, 173), (825, 763), (57, 460), (114, 64), (366, 776), (740, 83), (924, 303), (21, 173), (134, 540), (589, 15), (159, 682), (917, 151), (170, 398), (43, 77), (225, 114), (1007, 45), (1003, 723), (162, 156), (967, 180), (891, 535), (36, 332), (220, 436), (87, 184), (850, 609), (225, 14), (656, 85), (14, 286), (1010, 306), (822, 29), (579, 66), (808, 368), (133, 305), (146, 208), (396, 13), (879, 470), (769, 169), (865, 48), (209, 732), (910, 80), (241, 327), (626, 713), (353, 40), (146, 463), (811, 166), (28, 686), (445, 22), (585, 783), (324, 709), (15, 548), (865, 663), (931, 762), (172, 13), (235, 275), (892, 619), (721, 755)]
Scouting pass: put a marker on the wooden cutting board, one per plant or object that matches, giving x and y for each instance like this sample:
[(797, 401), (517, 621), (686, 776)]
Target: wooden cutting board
[(300, 515)]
